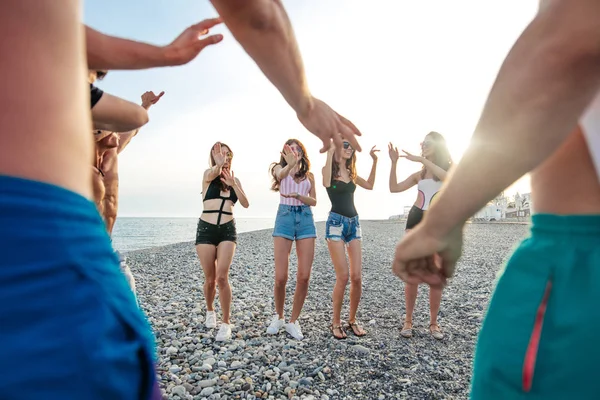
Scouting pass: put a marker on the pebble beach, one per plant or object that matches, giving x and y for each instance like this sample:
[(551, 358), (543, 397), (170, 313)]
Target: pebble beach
[(380, 365)]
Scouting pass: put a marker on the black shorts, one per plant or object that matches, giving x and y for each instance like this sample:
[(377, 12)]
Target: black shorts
[(415, 215), (95, 94), (214, 234)]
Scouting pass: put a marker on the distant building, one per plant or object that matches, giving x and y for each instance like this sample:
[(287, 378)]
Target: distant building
[(491, 212)]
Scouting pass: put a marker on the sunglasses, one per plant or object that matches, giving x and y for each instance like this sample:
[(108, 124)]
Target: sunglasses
[(347, 146)]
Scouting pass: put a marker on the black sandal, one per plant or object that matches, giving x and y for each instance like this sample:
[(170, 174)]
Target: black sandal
[(338, 327), (354, 326)]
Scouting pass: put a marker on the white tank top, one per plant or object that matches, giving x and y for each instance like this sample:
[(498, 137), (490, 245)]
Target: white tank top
[(590, 125), (288, 185), (428, 188)]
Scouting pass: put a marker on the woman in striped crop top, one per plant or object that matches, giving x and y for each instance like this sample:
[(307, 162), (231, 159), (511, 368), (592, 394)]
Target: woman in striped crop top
[(294, 222), (436, 161)]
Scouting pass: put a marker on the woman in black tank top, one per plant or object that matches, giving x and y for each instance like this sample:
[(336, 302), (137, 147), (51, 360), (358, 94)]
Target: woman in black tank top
[(216, 235), (343, 230)]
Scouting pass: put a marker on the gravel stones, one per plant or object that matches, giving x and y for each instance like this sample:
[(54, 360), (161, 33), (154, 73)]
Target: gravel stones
[(380, 365)]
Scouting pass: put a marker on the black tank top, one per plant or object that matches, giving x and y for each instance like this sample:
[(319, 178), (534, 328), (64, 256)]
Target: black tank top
[(341, 195)]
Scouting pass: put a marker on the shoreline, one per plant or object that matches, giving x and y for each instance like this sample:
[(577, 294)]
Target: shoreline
[(385, 221), (380, 365)]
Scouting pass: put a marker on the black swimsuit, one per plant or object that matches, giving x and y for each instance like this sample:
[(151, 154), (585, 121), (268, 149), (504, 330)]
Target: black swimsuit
[(208, 233), (341, 195)]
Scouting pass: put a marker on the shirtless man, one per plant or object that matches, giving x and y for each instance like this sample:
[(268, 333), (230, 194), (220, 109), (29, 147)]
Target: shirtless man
[(539, 337), (106, 176), (69, 323)]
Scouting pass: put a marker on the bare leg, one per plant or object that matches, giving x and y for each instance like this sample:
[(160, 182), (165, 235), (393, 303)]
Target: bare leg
[(338, 257), (305, 249), (355, 257), (410, 293), (207, 253), (410, 296), (225, 252), (435, 298), (282, 248)]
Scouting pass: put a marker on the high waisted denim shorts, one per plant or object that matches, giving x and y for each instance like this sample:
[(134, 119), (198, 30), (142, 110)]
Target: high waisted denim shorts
[(294, 223), (343, 228)]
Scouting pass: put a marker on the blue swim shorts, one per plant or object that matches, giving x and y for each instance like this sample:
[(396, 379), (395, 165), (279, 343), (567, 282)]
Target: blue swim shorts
[(69, 324), (294, 223)]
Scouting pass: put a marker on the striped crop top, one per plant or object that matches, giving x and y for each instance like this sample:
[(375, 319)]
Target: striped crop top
[(289, 185)]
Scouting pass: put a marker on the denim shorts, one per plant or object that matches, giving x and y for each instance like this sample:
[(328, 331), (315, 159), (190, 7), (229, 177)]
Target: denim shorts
[(343, 228), (294, 223)]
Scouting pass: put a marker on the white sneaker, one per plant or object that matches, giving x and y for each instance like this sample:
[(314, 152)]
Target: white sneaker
[(294, 330), (224, 333), (211, 320), (275, 325)]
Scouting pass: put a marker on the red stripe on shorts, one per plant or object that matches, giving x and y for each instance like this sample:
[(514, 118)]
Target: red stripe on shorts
[(534, 341)]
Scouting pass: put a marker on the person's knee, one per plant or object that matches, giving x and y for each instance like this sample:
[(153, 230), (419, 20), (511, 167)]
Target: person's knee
[(356, 279), (222, 280), (303, 279), (281, 280), (210, 282), (342, 278)]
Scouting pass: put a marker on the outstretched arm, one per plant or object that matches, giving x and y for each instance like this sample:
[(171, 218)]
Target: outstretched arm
[(109, 52), (543, 87), (263, 29), (115, 114)]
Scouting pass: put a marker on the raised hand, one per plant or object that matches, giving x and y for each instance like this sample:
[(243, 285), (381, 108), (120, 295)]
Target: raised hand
[(289, 156), (411, 157), (149, 99), (373, 153), (219, 155), (393, 151), (190, 43), (227, 177), (327, 125)]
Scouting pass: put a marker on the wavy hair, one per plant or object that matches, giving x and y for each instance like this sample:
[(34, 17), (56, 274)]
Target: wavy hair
[(441, 156), (302, 171), (350, 166)]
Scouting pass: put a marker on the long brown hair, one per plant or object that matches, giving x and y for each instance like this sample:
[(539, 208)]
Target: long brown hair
[(302, 171), (212, 163), (441, 156), (350, 166)]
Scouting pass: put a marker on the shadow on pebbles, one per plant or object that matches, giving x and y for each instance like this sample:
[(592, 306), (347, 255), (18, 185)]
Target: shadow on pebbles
[(254, 365)]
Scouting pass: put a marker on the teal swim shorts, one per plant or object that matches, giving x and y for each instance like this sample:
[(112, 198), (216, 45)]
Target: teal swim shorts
[(539, 339)]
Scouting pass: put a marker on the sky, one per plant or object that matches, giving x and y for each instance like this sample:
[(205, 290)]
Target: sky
[(397, 69)]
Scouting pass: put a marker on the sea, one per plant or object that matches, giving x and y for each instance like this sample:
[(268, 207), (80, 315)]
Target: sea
[(141, 233)]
